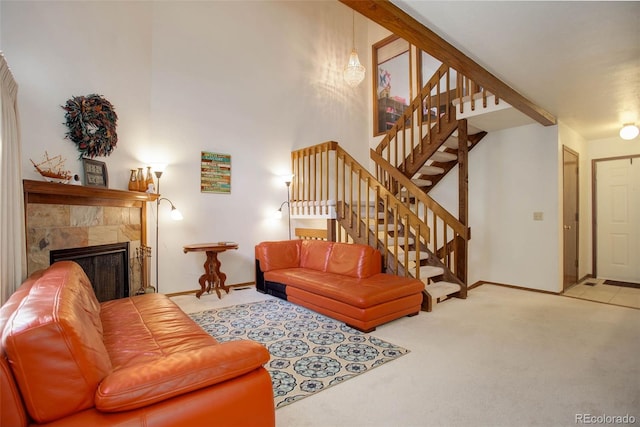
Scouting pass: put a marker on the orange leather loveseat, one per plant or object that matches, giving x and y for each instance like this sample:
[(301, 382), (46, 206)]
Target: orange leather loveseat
[(340, 280), (67, 360)]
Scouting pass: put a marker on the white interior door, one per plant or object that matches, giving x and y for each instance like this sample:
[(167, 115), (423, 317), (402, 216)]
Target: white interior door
[(618, 219)]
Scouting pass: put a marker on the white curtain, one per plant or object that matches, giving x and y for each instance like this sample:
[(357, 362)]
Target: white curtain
[(12, 235)]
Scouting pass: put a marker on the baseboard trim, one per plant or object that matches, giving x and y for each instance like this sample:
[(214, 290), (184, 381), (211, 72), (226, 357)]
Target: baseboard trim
[(585, 277), (237, 285), (504, 285)]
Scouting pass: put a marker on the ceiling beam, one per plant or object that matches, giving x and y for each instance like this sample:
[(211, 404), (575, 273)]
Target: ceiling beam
[(402, 24)]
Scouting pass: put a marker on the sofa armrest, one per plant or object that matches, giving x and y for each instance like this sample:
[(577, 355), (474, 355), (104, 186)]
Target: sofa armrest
[(277, 255), (179, 373)]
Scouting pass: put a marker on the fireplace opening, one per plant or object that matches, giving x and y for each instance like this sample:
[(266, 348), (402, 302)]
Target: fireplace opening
[(107, 267)]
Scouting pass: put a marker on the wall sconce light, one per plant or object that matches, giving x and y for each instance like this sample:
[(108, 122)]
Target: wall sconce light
[(629, 131), (353, 71), (278, 214), (176, 215)]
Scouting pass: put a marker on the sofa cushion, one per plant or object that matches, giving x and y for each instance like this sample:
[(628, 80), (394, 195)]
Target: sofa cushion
[(300, 277), (314, 254), (53, 342), (354, 260), (276, 255), (361, 293), (152, 325), (143, 384)]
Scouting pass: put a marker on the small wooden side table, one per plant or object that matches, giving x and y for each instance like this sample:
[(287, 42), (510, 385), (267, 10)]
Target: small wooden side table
[(212, 278)]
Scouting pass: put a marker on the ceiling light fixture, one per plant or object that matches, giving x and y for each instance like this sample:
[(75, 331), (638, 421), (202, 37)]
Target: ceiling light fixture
[(354, 71), (629, 131)]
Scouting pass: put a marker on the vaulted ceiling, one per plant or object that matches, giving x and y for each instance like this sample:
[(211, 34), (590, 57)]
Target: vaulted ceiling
[(578, 60)]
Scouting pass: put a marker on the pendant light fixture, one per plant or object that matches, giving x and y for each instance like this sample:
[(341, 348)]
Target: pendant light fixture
[(354, 71)]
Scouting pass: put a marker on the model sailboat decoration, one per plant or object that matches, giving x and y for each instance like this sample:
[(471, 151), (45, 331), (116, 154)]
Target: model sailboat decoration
[(52, 169)]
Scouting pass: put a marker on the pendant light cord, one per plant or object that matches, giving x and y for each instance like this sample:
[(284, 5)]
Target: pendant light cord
[(353, 28)]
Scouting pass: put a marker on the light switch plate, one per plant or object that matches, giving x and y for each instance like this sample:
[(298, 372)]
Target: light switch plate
[(537, 216)]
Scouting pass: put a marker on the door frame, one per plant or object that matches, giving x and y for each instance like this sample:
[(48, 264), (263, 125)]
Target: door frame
[(568, 150), (594, 208)]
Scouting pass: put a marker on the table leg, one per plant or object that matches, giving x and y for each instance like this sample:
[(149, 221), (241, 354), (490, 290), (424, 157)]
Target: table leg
[(212, 278)]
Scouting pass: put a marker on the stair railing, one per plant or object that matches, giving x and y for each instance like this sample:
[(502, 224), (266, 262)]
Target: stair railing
[(363, 206), (444, 227), (427, 122), (420, 122), (471, 91)]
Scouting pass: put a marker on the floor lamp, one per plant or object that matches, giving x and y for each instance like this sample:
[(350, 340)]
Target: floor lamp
[(287, 180), (176, 215)]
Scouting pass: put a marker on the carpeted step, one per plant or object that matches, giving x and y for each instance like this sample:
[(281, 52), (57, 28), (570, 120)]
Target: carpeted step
[(422, 182), (392, 240), (435, 292), (431, 170), (442, 289), (389, 227), (423, 256), (372, 209), (443, 157), (428, 271), (452, 142)]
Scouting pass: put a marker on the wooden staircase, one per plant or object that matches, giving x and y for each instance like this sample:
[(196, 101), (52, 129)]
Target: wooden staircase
[(392, 210), (366, 212)]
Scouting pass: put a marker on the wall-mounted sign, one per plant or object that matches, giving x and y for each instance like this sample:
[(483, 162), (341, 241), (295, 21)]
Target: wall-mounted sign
[(215, 173)]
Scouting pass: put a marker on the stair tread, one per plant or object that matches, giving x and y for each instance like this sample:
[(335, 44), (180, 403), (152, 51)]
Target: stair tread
[(441, 289), (452, 142), (391, 240), (442, 156), (427, 271), (389, 227), (431, 170), (373, 215), (412, 255), (422, 182)]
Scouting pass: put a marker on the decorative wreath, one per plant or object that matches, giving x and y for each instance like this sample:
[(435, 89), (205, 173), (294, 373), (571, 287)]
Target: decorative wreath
[(92, 125)]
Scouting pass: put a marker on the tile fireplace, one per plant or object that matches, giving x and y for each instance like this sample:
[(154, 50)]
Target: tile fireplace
[(65, 217)]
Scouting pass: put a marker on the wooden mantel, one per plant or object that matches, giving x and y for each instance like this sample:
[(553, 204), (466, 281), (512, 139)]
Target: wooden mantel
[(43, 192), (66, 194)]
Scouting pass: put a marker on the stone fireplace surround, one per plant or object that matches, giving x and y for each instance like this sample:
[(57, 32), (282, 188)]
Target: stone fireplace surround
[(63, 216)]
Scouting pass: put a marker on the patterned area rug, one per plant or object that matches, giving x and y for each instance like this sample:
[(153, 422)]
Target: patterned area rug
[(309, 352)]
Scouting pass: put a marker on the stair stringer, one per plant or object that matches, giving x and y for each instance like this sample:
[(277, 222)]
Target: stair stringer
[(428, 146), (473, 141)]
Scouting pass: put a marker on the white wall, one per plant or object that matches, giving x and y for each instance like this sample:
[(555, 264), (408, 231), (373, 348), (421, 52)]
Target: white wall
[(250, 79), (512, 174)]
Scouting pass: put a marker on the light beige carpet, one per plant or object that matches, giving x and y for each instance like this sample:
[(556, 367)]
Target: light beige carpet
[(503, 357), (309, 352)]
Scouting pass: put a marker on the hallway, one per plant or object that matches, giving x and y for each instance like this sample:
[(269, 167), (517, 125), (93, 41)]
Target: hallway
[(596, 290)]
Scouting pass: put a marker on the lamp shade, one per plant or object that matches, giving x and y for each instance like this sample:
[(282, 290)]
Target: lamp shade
[(354, 71), (629, 131), (176, 215)]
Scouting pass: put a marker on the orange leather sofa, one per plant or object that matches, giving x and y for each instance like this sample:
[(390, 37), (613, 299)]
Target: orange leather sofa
[(340, 280), (68, 360)]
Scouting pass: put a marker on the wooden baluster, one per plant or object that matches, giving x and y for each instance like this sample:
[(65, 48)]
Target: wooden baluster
[(448, 100), (460, 91)]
